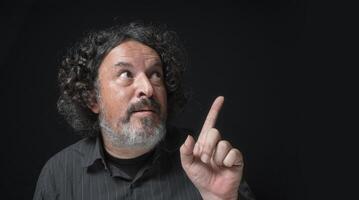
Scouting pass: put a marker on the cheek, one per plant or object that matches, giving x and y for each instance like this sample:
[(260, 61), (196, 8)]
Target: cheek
[(116, 100), (162, 97)]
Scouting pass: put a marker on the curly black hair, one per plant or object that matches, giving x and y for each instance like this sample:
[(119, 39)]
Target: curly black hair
[(78, 71)]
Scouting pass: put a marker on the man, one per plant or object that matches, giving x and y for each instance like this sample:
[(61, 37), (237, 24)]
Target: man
[(120, 87)]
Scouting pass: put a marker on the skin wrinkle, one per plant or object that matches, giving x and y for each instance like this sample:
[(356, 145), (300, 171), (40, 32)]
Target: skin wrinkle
[(123, 92), (131, 137), (80, 68)]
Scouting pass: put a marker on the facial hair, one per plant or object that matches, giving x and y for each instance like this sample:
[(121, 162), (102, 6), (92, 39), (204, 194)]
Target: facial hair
[(128, 135)]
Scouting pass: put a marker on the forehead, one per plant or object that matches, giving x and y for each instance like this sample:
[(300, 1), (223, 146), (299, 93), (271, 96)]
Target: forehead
[(132, 50)]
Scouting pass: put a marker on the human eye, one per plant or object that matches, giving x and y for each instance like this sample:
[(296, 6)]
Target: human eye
[(125, 75), (156, 76)]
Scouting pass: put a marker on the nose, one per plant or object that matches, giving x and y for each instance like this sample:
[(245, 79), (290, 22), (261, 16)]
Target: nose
[(144, 87)]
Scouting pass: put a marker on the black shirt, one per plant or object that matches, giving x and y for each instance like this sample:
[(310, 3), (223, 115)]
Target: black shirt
[(81, 172), (129, 166)]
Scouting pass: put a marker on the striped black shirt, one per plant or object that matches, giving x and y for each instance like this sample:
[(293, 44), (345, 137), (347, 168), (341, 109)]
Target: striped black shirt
[(81, 172)]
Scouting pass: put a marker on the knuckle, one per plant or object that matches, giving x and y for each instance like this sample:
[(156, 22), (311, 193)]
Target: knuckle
[(237, 151), (214, 130), (224, 144), (227, 162), (218, 161), (214, 133)]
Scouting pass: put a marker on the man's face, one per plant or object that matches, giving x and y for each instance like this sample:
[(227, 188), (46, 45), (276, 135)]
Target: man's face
[(132, 100)]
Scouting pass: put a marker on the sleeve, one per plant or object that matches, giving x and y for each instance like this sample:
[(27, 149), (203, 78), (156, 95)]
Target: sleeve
[(45, 187), (245, 192)]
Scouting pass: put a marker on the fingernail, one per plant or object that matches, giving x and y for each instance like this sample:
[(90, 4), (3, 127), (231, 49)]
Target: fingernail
[(205, 158)]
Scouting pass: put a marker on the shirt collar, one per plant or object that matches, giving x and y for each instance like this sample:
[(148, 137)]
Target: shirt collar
[(95, 152)]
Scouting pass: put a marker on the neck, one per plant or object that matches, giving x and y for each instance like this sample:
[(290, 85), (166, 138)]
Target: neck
[(123, 152)]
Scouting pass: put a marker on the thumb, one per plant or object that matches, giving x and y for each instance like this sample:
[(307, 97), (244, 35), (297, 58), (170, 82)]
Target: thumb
[(186, 151)]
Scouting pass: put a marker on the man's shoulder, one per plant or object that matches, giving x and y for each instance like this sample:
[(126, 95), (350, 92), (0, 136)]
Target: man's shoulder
[(73, 153), (63, 167)]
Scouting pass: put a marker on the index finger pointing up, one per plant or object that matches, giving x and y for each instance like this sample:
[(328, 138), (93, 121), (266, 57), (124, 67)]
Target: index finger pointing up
[(212, 114)]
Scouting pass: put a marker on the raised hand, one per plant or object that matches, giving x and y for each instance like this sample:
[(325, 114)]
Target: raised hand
[(212, 164)]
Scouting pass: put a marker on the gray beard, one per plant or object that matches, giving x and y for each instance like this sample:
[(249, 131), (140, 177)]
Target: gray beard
[(129, 136)]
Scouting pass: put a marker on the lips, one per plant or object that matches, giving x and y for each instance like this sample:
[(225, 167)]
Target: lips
[(145, 110)]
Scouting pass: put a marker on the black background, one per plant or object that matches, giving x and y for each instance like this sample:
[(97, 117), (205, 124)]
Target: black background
[(257, 54)]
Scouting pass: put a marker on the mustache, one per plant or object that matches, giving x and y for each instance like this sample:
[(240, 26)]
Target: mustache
[(147, 103)]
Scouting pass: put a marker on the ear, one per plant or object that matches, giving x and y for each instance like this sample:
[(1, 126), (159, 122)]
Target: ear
[(94, 107), (93, 104)]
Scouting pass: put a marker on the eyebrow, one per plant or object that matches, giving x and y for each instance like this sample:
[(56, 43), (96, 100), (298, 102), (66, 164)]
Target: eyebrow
[(158, 63), (123, 64)]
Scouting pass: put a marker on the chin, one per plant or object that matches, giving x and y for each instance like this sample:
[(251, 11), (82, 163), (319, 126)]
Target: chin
[(143, 134), (139, 132), (146, 122)]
